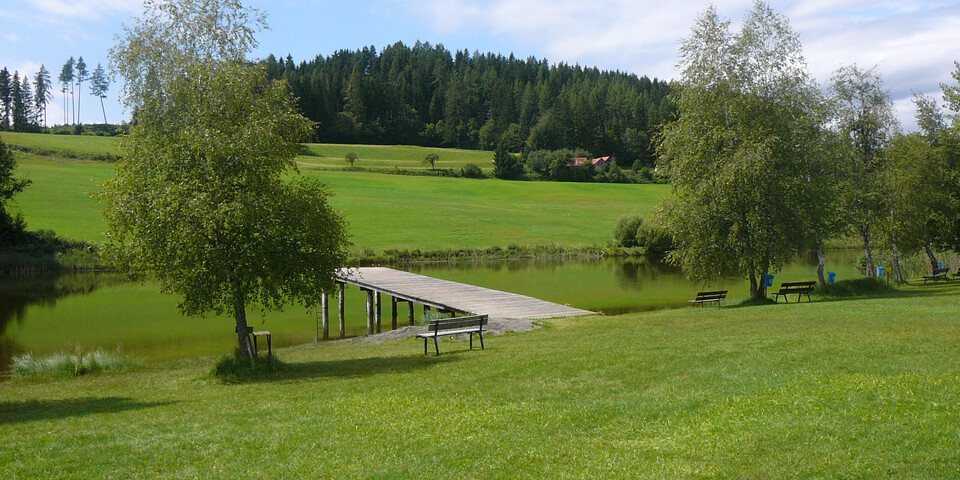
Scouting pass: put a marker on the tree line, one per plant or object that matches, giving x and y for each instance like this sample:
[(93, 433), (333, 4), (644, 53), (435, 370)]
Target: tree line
[(24, 101), (764, 164), (427, 95)]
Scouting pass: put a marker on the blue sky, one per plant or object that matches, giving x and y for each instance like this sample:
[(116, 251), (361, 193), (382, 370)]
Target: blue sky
[(912, 43)]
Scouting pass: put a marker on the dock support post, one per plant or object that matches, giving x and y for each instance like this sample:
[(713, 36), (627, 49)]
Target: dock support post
[(376, 300), (325, 312), (426, 308), (410, 315), (369, 311), (393, 313), (343, 323)]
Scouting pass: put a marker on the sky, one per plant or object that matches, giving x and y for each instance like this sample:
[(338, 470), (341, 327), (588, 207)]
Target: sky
[(912, 43)]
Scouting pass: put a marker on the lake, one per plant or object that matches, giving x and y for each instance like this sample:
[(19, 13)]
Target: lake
[(66, 313)]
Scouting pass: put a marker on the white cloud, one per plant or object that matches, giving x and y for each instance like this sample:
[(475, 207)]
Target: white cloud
[(11, 37), (913, 43), (85, 9)]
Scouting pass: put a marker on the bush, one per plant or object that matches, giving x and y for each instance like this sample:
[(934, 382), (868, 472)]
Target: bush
[(654, 240), (857, 287), (471, 170), (64, 365), (625, 233), (240, 368), (505, 165)]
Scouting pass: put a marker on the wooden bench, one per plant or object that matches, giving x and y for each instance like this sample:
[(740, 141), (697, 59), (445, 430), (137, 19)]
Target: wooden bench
[(791, 288), (442, 327), (938, 274), (709, 297)]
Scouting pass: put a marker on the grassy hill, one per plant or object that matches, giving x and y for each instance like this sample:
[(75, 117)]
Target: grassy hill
[(384, 211), (866, 388)]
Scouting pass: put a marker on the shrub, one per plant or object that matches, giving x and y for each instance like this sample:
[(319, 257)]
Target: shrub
[(471, 170), (505, 165), (654, 240), (857, 287), (240, 368), (65, 365), (625, 233), (351, 158)]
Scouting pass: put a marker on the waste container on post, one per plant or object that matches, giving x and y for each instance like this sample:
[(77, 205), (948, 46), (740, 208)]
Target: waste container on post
[(831, 277), (768, 280), (939, 264), (880, 271)]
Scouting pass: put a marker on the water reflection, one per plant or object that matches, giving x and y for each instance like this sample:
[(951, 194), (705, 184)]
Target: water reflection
[(18, 295)]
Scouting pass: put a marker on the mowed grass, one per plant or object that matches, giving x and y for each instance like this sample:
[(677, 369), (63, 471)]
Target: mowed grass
[(384, 211), (866, 388), (405, 157), (81, 144)]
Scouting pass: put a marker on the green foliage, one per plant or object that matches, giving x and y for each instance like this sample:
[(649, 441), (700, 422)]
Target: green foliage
[(860, 287), (200, 200), (746, 152), (351, 158), (431, 159), (654, 240), (625, 233), (11, 226), (505, 165), (863, 112), (427, 95), (61, 365), (472, 170), (239, 367)]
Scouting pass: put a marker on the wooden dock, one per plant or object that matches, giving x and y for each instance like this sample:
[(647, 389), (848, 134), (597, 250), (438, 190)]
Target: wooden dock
[(443, 295)]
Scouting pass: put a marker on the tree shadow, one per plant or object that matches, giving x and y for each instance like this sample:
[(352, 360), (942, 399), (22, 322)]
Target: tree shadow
[(34, 410), (358, 367)]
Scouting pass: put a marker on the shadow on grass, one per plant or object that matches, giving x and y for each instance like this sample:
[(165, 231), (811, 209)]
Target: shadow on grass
[(34, 410), (356, 367)]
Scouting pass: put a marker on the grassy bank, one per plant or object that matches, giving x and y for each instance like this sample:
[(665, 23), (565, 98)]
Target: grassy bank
[(865, 388), (384, 211)]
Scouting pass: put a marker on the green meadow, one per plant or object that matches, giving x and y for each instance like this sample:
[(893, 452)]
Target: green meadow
[(404, 157), (863, 388), (384, 211)]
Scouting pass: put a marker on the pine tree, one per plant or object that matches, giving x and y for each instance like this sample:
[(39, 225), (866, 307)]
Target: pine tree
[(6, 98), (99, 84), (66, 81), (81, 77), (42, 87), (19, 107)]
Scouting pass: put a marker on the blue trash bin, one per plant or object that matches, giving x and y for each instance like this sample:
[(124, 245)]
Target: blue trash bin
[(831, 277), (939, 264), (768, 280), (880, 271)]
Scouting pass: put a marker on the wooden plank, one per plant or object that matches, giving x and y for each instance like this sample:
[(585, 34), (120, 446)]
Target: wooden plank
[(453, 297)]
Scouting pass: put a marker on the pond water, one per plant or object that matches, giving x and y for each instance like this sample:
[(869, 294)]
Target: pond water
[(89, 311)]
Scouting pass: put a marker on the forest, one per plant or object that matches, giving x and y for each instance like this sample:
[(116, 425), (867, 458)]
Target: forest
[(427, 95)]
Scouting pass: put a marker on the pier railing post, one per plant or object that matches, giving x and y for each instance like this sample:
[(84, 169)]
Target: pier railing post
[(410, 315), (376, 299), (393, 313), (343, 323), (325, 312), (369, 311)]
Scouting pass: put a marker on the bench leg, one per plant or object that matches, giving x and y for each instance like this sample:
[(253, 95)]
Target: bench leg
[(424, 345), (255, 348), (481, 339), (471, 340), (436, 345), (269, 345)]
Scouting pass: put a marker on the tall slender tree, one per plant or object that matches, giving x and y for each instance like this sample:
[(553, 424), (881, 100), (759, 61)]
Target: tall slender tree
[(99, 84), (66, 81), (81, 77), (864, 116), (6, 98), (42, 89)]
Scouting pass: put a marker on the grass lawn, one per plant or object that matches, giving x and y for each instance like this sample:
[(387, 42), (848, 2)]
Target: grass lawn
[(82, 144), (389, 156), (384, 211), (866, 388)]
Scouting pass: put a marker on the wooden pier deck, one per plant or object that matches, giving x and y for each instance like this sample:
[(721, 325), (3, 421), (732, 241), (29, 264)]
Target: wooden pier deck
[(456, 297)]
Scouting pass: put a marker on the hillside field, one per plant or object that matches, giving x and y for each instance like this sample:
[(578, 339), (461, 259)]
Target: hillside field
[(384, 211), (860, 388)]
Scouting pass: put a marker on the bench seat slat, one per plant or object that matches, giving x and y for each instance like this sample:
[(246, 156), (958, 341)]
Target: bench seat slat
[(449, 332)]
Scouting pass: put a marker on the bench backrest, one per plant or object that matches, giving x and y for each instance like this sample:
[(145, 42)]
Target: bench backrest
[(721, 293), (442, 324), (797, 284), (938, 271)]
